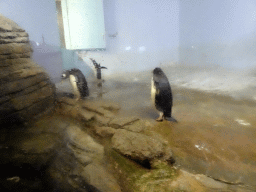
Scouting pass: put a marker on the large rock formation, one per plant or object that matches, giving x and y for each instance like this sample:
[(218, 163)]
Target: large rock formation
[(25, 88)]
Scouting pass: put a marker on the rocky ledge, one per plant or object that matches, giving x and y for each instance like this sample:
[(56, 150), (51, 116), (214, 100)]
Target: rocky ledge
[(25, 89), (86, 146)]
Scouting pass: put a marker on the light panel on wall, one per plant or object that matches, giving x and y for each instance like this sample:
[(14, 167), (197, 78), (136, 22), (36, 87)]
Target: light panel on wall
[(81, 24)]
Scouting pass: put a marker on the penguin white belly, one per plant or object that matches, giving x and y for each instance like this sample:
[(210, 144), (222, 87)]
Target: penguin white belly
[(73, 81), (153, 91)]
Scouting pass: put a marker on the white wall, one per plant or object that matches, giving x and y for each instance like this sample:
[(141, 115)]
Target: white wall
[(218, 32), (148, 31), (37, 17), (152, 32), (147, 34)]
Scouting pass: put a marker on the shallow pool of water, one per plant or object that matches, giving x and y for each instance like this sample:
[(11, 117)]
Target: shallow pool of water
[(215, 134)]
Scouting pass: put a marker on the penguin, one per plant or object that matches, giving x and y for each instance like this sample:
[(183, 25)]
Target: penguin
[(78, 82), (161, 95), (98, 68)]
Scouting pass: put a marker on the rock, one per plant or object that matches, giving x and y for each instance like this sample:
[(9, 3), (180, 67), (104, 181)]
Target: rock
[(41, 143), (75, 111), (23, 101), (105, 113), (119, 122), (95, 106), (83, 145), (67, 100), (86, 115), (137, 146), (8, 25), (210, 183), (138, 126), (105, 131), (186, 182), (109, 105), (96, 175), (22, 84), (25, 89), (102, 120)]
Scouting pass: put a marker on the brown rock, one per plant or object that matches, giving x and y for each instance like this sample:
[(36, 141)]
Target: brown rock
[(81, 143), (85, 115), (102, 120), (105, 131), (15, 48), (138, 126), (27, 100), (16, 40), (41, 143), (8, 25), (12, 35), (119, 122), (21, 84), (137, 146), (67, 100), (100, 107), (97, 176)]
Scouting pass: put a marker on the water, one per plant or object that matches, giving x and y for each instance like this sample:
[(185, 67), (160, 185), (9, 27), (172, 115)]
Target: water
[(215, 134), (216, 112)]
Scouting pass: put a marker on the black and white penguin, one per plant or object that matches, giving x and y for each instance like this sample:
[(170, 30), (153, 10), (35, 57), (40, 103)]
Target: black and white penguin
[(161, 95), (78, 82), (98, 68)]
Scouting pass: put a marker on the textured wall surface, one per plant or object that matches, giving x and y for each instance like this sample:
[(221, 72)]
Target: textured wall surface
[(25, 88)]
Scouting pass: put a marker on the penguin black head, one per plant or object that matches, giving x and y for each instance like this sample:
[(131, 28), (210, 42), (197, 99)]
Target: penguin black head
[(158, 71), (66, 74)]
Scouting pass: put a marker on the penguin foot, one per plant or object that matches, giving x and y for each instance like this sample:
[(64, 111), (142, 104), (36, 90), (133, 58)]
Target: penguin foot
[(161, 117)]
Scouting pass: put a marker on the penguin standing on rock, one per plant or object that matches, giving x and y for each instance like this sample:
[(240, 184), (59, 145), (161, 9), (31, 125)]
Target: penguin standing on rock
[(161, 95), (78, 82)]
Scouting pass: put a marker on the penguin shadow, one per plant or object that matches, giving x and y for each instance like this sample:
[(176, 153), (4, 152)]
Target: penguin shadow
[(171, 119), (151, 113)]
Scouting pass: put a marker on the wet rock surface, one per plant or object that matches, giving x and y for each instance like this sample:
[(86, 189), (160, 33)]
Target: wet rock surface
[(68, 149), (25, 89), (74, 145), (137, 146)]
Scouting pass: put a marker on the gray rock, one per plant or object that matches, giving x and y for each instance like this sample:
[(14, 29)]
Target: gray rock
[(137, 146)]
